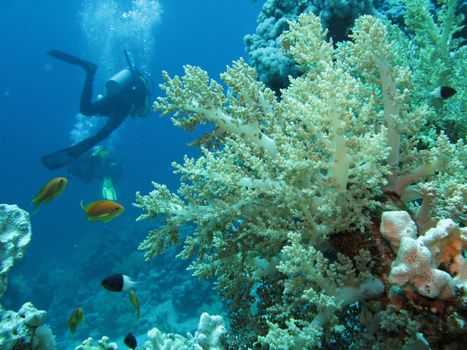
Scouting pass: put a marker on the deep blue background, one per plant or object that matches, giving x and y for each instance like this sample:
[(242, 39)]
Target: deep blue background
[(39, 100)]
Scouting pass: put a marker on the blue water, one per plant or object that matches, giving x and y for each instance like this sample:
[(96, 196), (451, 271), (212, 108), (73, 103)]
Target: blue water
[(39, 98)]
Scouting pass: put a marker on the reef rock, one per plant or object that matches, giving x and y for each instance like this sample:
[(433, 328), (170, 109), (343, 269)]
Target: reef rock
[(25, 329), (15, 234)]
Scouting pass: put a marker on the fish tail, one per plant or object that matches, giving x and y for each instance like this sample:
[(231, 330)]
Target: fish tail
[(81, 203), (132, 284), (71, 326), (129, 284), (36, 204)]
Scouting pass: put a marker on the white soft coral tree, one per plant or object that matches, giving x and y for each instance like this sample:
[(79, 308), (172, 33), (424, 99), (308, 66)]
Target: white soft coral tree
[(290, 173)]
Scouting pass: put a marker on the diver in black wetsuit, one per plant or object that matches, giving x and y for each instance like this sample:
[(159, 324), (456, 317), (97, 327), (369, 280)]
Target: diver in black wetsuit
[(127, 93)]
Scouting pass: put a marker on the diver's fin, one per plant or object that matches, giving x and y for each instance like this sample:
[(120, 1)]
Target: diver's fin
[(108, 190), (58, 159), (63, 56)]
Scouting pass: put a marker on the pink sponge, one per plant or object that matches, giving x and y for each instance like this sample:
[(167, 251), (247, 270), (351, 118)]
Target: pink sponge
[(414, 267), (419, 260)]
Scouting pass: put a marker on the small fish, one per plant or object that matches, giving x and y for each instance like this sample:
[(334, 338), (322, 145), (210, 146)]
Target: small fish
[(117, 283), (103, 210), (49, 191), (130, 341), (134, 300), (100, 152), (443, 92), (75, 319)]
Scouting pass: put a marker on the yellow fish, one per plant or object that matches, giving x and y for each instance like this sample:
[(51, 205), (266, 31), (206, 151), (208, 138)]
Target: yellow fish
[(134, 300), (49, 191), (102, 210), (75, 319)]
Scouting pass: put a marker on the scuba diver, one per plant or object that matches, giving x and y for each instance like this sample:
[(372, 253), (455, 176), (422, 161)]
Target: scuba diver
[(96, 165), (127, 93)]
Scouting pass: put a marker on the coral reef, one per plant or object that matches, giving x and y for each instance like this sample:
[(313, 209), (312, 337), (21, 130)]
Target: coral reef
[(211, 332), (210, 335), (274, 66), (264, 47), (25, 329), (161, 341), (438, 57), (277, 180), (102, 344), (15, 234)]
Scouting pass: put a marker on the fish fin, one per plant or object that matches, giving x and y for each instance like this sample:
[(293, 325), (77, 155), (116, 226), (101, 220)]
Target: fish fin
[(91, 219), (37, 204), (37, 201), (81, 203), (105, 217), (128, 284), (101, 218)]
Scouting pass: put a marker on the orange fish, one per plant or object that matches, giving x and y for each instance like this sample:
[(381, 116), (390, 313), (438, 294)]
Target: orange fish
[(102, 210), (75, 319), (51, 190)]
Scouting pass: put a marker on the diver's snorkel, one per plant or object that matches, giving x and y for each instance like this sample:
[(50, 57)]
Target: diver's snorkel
[(128, 61)]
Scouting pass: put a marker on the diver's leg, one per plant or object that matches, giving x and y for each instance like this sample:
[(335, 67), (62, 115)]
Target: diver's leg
[(85, 105), (68, 155), (65, 156), (90, 68), (58, 159)]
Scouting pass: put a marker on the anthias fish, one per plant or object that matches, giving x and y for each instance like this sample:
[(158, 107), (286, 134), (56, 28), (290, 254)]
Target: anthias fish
[(49, 191), (134, 300), (118, 283), (75, 319), (102, 210), (130, 341)]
